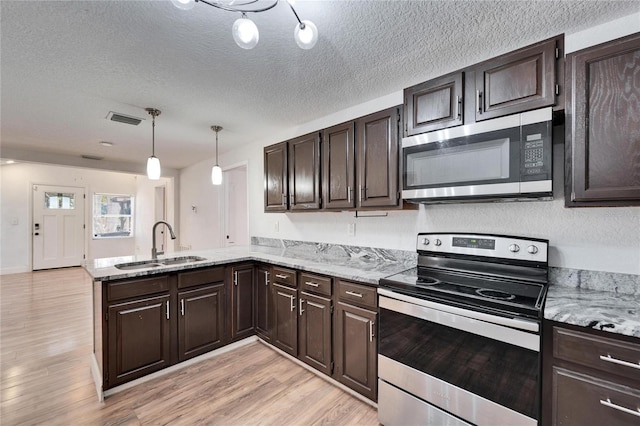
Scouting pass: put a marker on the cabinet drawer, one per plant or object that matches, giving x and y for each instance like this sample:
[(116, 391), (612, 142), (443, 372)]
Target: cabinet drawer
[(283, 276), (357, 293), (201, 276), (118, 290), (579, 399), (315, 283), (602, 353)]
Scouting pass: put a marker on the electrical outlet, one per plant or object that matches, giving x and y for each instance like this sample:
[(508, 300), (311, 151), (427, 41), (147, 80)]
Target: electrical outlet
[(276, 226), (351, 229)]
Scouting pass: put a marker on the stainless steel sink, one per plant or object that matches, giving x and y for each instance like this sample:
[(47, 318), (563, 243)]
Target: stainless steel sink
[(144, 264), (181, 260)]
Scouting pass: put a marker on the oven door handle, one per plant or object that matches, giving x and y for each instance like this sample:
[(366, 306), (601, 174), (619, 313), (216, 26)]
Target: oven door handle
[(508, 330)]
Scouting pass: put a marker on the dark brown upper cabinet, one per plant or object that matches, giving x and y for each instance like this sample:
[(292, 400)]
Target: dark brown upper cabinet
[(338, 166), (276, 192), (304, 172), (377, 159), (602, 140), (434, 104), (518, 81)]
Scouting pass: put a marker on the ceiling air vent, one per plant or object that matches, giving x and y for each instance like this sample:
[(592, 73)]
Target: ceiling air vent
[(92, 157), (123, 118)]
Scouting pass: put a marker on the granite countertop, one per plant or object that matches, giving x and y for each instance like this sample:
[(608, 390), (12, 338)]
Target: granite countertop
[(363, 266), (601, 310)]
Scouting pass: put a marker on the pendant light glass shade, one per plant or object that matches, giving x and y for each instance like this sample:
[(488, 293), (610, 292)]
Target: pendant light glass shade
[(306, 37), (216, 175), (153, 168), (184, 4), (245, 32)]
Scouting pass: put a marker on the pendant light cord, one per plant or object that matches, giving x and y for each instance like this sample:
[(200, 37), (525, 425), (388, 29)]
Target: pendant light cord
[(153, 136), (216, 147)]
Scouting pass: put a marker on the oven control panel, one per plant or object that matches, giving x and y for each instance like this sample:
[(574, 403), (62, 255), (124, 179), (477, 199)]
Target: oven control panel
[(500, 246)]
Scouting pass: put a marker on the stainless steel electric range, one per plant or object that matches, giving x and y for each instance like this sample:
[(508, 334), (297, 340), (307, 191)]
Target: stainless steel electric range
[(459, 336)]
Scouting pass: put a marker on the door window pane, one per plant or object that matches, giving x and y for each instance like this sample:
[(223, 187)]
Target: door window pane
[(59, 200), (112, 216)]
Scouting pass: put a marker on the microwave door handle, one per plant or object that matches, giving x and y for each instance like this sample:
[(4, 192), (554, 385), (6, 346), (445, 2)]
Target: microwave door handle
[(458, 107), (479, 101)]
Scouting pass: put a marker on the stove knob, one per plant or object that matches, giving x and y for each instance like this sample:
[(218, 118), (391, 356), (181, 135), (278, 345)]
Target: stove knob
[(437, 242), (514, 248), (425, 241), (532, 249)]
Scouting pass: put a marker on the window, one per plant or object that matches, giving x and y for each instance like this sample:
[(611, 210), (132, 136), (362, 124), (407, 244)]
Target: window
[(59, 200), (112, 216)]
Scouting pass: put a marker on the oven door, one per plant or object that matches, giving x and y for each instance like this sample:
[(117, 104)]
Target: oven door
[(474, 366)]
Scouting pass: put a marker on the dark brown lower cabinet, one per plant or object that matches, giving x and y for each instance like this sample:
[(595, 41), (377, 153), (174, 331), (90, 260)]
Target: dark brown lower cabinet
[(242, 294), (139, 338), (356, 349), (589, 377), (314, 331), (200, 321), (263, 301), (285, 319)]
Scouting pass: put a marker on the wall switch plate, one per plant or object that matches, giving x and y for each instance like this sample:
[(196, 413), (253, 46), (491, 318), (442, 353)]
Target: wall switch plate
[(351, 229), (14, 221)]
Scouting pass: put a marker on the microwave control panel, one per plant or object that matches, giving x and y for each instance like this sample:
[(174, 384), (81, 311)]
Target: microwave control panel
[(536, 151)]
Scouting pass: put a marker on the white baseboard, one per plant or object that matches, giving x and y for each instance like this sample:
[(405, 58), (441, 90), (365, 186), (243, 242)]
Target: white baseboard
[(15, 270), (321, 375), (97, 377), (179, 366)]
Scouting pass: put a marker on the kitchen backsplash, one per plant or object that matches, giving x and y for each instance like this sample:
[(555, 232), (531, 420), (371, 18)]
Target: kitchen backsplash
[(567, 277)]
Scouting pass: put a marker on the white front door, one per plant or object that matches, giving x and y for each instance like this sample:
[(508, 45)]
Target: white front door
[(58, 226), (236, 224)]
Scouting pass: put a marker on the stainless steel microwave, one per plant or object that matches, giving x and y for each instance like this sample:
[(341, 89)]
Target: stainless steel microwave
[(503, 158)]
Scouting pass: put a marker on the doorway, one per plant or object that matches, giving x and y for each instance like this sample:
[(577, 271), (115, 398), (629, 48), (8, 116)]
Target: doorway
[(235, 207), (58, 226)]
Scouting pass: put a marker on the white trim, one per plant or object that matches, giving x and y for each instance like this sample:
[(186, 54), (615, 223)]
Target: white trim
[(97, 377), (15, 270), (321, 375), (180, 366)]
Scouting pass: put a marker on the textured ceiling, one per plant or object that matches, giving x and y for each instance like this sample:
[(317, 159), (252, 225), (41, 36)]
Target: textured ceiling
[(65, 64)]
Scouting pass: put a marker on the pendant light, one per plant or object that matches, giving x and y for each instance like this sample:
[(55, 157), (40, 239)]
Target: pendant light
[(216, 171), (153, 163)]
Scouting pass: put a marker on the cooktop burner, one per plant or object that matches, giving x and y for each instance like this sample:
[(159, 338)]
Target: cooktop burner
[(494, 294)]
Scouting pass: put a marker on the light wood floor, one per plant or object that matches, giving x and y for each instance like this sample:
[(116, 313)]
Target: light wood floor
[(45, 346)]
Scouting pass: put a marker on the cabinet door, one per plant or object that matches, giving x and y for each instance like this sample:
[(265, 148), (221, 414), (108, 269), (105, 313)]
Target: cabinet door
[(434, 104), (139, 338), (516, 82), (314, 331), (356, 349), (263, 302), (338, 167), (603, 130), (580, 399), (242, 319), (276, 191), (285, 319), (377, 147), (304, 172), (200, 321)]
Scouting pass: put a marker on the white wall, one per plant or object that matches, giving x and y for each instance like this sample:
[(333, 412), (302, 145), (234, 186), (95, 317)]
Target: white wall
[(145, 213), (16, 181), (606, 239)]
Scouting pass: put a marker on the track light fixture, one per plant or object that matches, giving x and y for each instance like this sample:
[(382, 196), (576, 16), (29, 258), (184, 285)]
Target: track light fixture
[(244, 30)]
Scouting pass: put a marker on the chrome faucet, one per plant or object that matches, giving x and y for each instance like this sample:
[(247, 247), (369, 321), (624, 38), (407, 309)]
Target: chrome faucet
[(154, 251)]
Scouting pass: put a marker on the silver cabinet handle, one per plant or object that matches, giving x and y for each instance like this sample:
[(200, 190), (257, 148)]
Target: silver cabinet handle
[(167, 309), (312, 284), (353, 293), (301, 300), (284, 199), (610, 404), (479, 101), (371, 323), (235, 277), (266, 277), (182, 306), (458, 106), (349, 190), (282, 276), (293, 304), (291, 199), (609, 358), (360, 192)]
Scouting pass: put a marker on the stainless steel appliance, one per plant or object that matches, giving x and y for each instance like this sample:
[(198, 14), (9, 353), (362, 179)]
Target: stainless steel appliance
[(459, 336), (503, 158)]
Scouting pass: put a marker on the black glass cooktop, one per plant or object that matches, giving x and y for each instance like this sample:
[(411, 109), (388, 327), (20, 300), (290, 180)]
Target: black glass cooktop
[(485, 293)]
